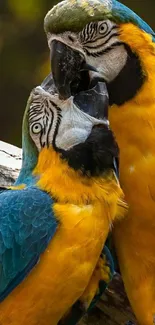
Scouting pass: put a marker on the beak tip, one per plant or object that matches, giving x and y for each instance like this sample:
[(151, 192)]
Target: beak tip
[(86, 66), (95, 101)]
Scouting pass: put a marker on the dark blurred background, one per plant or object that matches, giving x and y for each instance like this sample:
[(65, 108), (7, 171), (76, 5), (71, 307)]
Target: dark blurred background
[(24, 56)]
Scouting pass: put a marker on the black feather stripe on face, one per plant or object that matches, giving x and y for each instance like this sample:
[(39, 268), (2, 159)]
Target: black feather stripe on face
[(97, 37), (44, 120)]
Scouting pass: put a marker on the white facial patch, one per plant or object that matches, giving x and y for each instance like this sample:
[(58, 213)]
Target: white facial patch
[(75, 125), (103, 48), (57, 122), (110, 65), (43, 117)]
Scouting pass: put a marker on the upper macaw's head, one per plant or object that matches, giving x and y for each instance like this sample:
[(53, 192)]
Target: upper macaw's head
[(98, 40), (77, 128)]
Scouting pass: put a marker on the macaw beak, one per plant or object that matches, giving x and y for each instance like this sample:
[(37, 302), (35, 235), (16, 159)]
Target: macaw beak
[(71, 77), (94, 101), (69, 69)]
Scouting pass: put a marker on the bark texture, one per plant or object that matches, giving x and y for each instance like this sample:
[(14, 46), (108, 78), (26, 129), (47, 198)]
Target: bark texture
[(113, 308)]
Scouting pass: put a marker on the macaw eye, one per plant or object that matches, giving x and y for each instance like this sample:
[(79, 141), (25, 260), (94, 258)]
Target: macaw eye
[(103, 28), (36, 128)]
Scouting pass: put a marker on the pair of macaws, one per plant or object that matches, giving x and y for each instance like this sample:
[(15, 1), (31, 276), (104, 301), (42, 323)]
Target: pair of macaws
[(55, 221)]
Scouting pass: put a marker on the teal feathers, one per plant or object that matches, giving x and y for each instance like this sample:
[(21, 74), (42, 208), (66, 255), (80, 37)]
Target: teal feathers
[(27, 224), (123, 14), (29, 153)]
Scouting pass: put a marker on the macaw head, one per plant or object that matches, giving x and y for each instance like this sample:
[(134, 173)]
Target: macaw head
[(99, 40), (51, 122), (64, 124)]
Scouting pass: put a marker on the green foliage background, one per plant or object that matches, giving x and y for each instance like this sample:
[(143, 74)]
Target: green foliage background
[(24, 56)]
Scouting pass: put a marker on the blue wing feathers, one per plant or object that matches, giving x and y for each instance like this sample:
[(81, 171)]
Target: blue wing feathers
[(124, 14), (27, 224)]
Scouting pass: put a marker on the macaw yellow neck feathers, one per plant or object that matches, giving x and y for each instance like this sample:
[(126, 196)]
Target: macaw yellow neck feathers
[(69, 186), (141, 43), (133, 123)]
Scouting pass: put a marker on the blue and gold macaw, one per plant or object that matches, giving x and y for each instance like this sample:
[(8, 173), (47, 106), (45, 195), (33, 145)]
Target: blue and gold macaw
[(54, 221), (120, 47)]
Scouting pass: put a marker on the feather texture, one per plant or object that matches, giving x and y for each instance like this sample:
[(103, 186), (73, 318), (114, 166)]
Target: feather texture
[(26, 227)]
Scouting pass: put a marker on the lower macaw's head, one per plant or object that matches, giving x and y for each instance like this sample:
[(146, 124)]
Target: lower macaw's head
[(75, 128), (63, 124), (99, 40)]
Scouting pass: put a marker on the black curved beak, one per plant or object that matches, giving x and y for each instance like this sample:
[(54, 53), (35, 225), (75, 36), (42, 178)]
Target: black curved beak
[(67, 65), (94, 101)]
